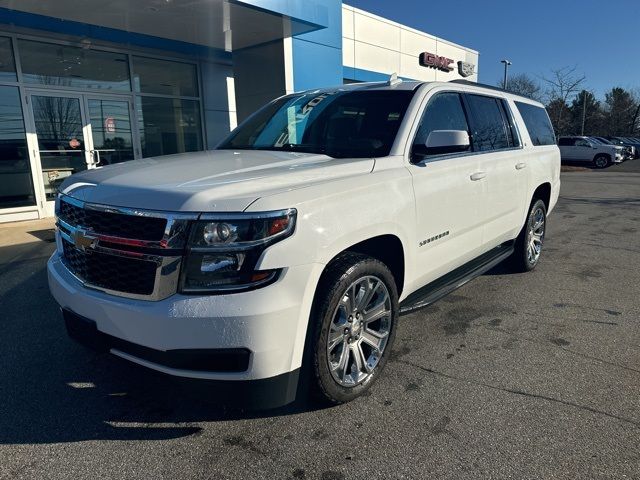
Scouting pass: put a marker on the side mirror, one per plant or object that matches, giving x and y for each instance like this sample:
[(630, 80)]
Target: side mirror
[(440, 142), (447, 141)]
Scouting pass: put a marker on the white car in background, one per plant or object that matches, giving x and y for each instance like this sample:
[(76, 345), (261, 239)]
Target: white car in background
[(585, 149), (285, 256)]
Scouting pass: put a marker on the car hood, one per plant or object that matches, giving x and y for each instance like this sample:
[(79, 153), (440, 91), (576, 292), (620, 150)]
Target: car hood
[(216, 180)]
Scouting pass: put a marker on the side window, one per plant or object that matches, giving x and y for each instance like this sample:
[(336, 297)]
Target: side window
[(538, 124), (563, 142), (512, 131), (443, 112), (582, 143), (487, 123)]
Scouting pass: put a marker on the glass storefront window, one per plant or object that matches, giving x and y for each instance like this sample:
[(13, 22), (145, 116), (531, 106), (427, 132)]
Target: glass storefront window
[(168, 125), (7, 63), (16, 186), (164, 77), (111, 130), (67, 66)]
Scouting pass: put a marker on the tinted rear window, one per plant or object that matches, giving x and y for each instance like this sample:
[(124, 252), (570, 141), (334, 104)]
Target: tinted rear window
[(538, 123), (488, 124)]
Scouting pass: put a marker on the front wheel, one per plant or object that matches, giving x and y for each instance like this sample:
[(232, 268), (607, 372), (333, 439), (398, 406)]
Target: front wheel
[(601, 161), (354, 319), (528, 247)]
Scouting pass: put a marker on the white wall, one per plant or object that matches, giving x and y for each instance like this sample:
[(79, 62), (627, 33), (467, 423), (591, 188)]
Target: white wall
[(374, 43)]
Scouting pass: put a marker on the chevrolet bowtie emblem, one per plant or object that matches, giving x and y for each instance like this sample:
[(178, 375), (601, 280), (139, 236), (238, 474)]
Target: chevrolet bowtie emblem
[(82, 240)]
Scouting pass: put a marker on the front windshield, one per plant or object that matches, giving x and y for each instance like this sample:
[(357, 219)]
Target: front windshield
[(339, 124)]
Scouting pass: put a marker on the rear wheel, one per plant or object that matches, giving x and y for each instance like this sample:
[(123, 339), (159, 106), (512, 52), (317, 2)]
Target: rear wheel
[(528, 246), (601, 161), (354, 320)]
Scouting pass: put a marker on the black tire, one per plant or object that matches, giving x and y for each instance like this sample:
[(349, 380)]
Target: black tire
[(601, 161), (522, 261), (329, 304)]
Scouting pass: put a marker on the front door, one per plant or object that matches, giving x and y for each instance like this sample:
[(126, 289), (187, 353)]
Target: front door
[(449, 194), (71, 133)]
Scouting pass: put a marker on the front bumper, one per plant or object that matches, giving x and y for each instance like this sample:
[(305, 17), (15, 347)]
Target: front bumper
[(264, 393), (268, 324)]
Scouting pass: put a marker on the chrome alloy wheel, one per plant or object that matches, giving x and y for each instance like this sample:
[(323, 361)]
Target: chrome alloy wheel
[(359, 331), (535, 235)]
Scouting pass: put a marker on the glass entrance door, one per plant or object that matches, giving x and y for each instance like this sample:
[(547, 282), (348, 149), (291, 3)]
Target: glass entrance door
[(73, 132), (111, 131), (63, 143)]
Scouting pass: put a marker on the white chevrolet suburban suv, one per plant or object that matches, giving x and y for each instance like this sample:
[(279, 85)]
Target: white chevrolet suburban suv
[(284, 257)]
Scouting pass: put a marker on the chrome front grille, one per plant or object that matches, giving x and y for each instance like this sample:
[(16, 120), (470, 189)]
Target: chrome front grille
[(126, 252), (110, 223)]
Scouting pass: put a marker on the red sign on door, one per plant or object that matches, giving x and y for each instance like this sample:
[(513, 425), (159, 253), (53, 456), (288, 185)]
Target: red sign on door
[(110, 125)]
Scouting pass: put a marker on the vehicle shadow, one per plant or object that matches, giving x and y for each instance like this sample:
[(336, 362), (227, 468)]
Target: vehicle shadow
[(54, 390), (585, 165)]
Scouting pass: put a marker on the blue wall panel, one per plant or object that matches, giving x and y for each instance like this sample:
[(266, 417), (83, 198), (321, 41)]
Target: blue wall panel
[(315, 65), (317, 56), (362, 75), (312, 12)]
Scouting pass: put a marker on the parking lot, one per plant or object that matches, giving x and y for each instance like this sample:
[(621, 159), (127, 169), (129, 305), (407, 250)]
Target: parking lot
[(512, 376)]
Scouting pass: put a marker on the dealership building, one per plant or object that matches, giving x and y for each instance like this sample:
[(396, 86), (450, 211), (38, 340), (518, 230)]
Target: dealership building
[(92, 83)]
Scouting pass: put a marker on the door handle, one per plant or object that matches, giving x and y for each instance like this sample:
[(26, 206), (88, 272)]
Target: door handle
[(478, 176), (95, 156), (520, 166)]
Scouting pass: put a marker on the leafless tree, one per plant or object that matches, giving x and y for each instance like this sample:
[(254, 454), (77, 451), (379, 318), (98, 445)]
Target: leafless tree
[(523, 84), (634, 127), (562, 84)]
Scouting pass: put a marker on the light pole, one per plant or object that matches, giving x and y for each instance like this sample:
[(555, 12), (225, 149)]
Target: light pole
[(506, 67)]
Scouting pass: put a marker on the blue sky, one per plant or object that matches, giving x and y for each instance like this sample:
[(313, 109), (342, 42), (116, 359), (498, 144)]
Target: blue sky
[(601, 38)]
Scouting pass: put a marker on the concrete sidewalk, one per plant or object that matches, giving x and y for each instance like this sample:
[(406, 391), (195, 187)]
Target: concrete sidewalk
[(16, 233), (24, 238)]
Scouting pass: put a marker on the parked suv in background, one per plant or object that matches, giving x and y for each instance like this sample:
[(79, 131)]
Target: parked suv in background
[(583, 149), (630, 146), (289, 252), (626, 152)]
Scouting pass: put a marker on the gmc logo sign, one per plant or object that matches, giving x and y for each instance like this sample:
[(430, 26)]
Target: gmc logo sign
[(435, 61)]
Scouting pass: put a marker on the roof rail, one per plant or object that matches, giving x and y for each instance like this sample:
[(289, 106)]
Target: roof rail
[(476, 84)]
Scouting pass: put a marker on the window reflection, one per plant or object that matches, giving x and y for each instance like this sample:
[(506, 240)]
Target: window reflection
[(16, 186), (164, 77), (111, 130), (168, 125), (489, 127), (67, 66), (7, 63), (60, 139)]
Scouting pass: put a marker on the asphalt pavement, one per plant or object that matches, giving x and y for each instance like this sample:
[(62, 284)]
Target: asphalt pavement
[(518, 376)]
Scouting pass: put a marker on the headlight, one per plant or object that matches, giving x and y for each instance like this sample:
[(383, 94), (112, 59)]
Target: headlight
[(224, 249)]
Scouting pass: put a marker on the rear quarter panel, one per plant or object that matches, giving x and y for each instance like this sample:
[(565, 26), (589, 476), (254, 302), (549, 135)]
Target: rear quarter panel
[(543, 163)]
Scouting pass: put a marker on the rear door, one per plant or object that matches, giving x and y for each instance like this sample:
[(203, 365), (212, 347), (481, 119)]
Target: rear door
[(499, 151)]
